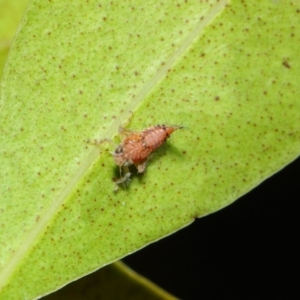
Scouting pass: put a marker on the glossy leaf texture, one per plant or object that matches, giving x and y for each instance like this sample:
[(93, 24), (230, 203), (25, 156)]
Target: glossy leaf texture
[(227, 71)]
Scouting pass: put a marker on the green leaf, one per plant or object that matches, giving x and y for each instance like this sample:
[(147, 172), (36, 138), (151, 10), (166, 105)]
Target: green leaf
[(11, 12), (76, 72)]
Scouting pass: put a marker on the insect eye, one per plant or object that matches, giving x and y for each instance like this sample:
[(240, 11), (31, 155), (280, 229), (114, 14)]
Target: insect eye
[(119, 149)]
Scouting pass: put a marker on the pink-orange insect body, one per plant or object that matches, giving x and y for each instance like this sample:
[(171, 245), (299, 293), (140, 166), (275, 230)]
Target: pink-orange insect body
[(137, 147)]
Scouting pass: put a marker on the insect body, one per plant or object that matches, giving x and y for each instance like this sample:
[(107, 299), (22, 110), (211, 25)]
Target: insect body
[(137, 147)]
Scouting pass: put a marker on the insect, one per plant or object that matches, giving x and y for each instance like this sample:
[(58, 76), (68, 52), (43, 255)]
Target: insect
[(137, 147)]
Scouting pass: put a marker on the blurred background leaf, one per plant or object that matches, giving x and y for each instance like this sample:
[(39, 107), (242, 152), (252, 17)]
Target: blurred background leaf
[(11, 12)]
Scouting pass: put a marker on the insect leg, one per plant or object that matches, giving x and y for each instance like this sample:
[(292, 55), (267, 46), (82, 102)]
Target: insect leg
[(100, 142), (142, 167), (123, 178)]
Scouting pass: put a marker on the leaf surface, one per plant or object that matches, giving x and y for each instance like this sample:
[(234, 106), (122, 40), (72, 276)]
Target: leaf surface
[(11, 12), (229, 74)]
